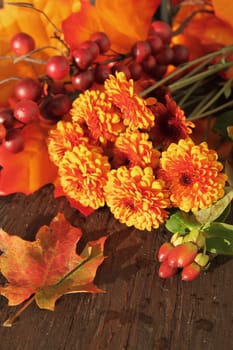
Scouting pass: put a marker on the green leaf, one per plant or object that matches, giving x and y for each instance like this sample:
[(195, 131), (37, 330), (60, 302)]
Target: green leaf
[(219, 238), (213, 213), (181, 222), (222, 122), (229, 172)]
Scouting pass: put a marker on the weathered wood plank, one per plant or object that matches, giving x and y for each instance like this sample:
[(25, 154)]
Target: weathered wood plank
[(138, 311)]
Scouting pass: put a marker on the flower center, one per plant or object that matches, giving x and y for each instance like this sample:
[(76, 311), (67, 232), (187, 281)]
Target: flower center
[(185, 179)]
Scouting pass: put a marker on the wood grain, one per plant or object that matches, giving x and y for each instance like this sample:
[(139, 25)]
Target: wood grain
[(139, 311)]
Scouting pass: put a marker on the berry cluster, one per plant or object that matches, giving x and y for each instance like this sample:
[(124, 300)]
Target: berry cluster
[(47, 99), (183, 253)]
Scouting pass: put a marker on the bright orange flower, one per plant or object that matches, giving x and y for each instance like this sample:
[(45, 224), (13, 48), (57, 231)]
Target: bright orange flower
[(135, 113), (123, 21), (30, 169), (136, 198), (134, 148), (170, 123), (83, 174), (193, 175), (95, 112)]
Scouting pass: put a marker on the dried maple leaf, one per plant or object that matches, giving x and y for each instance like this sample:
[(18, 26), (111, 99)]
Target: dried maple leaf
[(48, 267)]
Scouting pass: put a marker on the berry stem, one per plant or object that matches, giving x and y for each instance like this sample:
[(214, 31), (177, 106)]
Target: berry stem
[(9, 322), (26, 56), (9, 79)]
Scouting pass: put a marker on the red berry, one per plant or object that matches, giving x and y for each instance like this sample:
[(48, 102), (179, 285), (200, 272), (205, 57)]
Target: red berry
[(149, 63), (83, 58), (3, 132), (92, 47), (28, 88), (159, 71), (26, 111), (190, 272), (182, 255), (59, 105), (6, 117), (83, 80), (135, 70), (166, 56), (164, 250), (162, 29), (181, 54), (102, 40), (102, 72), (121, 67), (22, 43), (14, 141), (140, 51), (166, 271), (156, 43), (57, 67)]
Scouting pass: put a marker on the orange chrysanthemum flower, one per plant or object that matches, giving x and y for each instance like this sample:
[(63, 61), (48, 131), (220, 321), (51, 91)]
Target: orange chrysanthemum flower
[(170, 123), (93, 110), (83, 174), (192, 174), (63, 138), (136, 114), (133, 148), (136, 198)]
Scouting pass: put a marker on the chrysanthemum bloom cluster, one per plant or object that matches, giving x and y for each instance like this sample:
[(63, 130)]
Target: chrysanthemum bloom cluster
[(106, 154), (193, 175)]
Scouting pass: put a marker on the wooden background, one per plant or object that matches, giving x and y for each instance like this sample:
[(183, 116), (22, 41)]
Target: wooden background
[(139, 310)]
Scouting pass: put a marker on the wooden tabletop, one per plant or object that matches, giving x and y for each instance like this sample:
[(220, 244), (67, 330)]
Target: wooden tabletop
[(139, 311)]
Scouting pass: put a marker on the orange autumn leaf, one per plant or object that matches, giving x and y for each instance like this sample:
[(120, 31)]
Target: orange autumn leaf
[(29, 169), (49, 266), (123, 21), (224, 10)]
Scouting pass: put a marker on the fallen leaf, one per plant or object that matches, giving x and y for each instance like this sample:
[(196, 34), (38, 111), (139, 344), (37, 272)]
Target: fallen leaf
[(49, 266)]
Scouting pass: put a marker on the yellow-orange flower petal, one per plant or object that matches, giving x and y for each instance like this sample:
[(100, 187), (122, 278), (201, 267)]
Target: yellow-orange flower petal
[(83, 174), (136, 114), (29, 169), (170, 123), (93, 110), (193, 175), (134, 148), (136, 198)]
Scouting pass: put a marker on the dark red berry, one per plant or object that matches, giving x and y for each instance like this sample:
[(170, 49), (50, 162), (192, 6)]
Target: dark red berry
[(164, 250), (92, 47), (140, 51), (182, 255), (149, 63), (102, 72), (190, 272), (28, 88), (83, 58), (6, 117), (162, 29), (83, 80), (59, 105), (135, 70), (3, 132), (57, 67), (102, 40), (26, 111), (121, 67), (156, 43), (22, 43), (165, 56), (13, 141), (166, 271), (159, 71), (181, 54)]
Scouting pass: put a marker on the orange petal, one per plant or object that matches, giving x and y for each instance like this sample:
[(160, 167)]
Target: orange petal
[(123, 21), (30, 169)]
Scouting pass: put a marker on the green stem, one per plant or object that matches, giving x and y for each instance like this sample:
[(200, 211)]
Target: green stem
[(204, 102), (9, 322)]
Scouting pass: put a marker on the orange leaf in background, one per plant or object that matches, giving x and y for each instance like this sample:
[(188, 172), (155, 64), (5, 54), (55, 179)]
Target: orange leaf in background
[(224, 10), (49, 266), (30, 169), (123, 21)]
